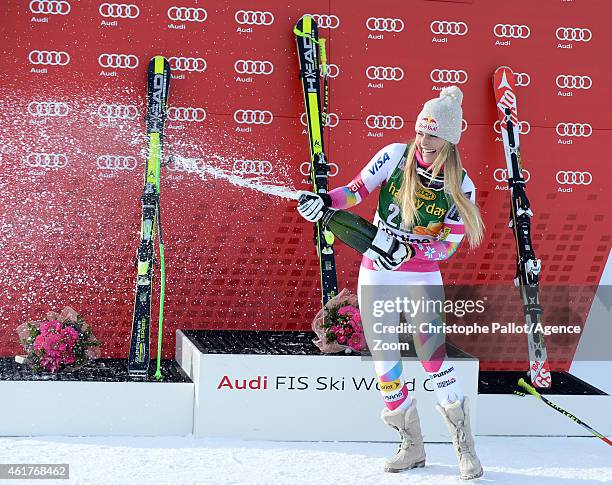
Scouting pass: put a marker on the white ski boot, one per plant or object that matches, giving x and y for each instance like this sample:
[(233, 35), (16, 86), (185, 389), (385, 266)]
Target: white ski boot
[(457, 419), (411, 453)]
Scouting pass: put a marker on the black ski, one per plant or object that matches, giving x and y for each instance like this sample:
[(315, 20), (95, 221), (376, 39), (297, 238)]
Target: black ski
[(157, 96), (311, 68)]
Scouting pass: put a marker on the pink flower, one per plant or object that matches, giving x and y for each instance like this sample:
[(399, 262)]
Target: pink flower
[(347, 310), (341, 339), (39, 342), (357, 342), (69, 359), (50, 363), (52, 340)]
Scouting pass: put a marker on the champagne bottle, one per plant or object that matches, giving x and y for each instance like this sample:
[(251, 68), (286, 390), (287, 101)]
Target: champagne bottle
[(351, 229)]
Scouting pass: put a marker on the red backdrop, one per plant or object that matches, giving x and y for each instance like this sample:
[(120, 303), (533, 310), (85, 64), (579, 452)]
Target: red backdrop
[(71, 138)]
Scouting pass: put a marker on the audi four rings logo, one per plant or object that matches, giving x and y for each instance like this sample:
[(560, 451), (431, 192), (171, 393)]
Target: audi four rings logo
[(46, 160), (574, 129), (50, 7), (565, 177), (522, 78), (253, 117), (333, 169), (118, 61), (188, 165), (116, 162), (249, 66), (464, 125), (378, 24), (385, 73), (326, 21), (48, 108), (189, 64), (512, 31), (187, 14), (524, 127), (501, 175), (252, 167), (49, 58), (444, 27), (331, 120), (119, 10), (117, 111), (453, 76), (569, 81), (186, 114), (574, 34), (382, 122), (253, 17)]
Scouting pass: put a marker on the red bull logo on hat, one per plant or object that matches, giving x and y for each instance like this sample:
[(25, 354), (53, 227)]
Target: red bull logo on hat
[(428, 123)]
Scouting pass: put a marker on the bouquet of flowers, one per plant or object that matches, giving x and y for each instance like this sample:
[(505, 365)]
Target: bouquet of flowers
[(338, 325), (61, 341)]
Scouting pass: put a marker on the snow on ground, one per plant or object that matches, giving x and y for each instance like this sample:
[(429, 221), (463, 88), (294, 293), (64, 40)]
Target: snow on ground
[(185, 460)]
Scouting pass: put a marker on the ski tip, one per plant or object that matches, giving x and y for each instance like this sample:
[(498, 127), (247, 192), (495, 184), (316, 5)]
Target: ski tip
[(503, 68)]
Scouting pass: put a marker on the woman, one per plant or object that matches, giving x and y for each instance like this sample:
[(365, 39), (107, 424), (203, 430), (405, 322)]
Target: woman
[(426, 202)]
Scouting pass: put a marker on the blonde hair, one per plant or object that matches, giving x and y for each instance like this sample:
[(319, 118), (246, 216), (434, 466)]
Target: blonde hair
[(453, 170)]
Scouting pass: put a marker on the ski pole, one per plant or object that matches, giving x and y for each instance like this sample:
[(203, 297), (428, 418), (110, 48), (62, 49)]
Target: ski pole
[(531, 390)]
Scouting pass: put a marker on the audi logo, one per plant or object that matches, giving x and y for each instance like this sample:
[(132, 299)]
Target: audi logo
[(569, 81), (501, 175), (452, 76), (188, 114), (116, 162), (248, 66), (331, 120), (326, 21), (464, 125), (378, 24), (253, 17), (332, 167), (523, 126), (253, 117), (565, 177), (50, 7), (46, 160), (117, 111), (252, 167), (49, 58), (190, 64), (574, 129), (444, 27), (385, 73), (332, 71), (48, 108), (187, 14), (119, 10), (574, 34), (522, 79), (512, 31), (188, 165), (382, 122), (118, 61)]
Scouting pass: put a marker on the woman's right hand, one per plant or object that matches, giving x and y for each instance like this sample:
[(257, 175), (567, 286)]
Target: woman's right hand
[(310, 206)]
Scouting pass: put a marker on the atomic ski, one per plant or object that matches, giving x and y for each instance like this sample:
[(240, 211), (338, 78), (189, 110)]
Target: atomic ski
[(311, 68), (157, 97), (527, 267)]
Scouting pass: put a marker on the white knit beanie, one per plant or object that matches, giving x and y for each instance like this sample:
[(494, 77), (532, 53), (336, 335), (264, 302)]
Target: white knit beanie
[(442, 116)]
